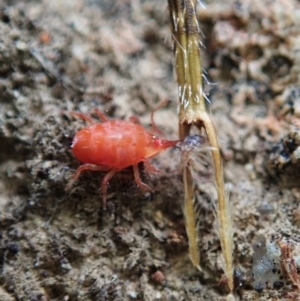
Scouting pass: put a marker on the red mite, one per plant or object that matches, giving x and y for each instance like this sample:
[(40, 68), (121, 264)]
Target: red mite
[(114, 145)]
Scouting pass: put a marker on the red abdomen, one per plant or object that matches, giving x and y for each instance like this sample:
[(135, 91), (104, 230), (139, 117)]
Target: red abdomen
[(114, 144)]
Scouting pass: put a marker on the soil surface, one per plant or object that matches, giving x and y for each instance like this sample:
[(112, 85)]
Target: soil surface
[(61, 56)]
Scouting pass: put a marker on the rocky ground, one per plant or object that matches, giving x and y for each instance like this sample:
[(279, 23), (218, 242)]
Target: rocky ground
[(59, 56)]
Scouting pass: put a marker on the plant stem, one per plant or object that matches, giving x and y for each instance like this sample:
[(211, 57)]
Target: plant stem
[(192, 112)]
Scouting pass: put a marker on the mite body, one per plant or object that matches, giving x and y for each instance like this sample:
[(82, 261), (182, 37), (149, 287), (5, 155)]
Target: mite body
[(114, 145)]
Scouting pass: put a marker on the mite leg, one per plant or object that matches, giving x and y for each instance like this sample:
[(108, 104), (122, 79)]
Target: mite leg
[(138, 179), (134, 119), (155, 128), (82, 168), (83, 116), (150, 168), (105, 180), (100, 114)]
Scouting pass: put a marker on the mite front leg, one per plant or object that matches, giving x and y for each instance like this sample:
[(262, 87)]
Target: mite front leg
[(138, 179), (150, 168)]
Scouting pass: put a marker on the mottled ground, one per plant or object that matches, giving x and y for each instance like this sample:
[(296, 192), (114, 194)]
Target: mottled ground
[(60, 56)]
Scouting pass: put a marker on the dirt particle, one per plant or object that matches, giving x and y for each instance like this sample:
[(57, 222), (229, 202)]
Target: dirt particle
[(13, 247), (158, 277), (278, 285)]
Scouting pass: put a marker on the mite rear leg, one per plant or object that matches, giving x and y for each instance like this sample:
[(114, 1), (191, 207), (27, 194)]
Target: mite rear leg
[(83, 116), (100, 114), (138, 179), (135, 119), (83, 168), (92, 167), (105, 180)]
